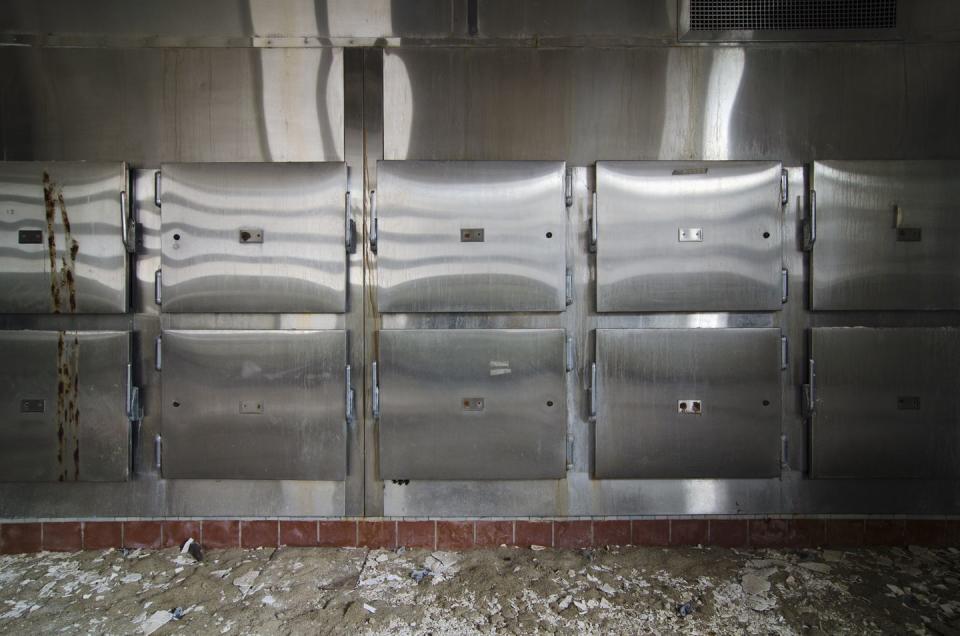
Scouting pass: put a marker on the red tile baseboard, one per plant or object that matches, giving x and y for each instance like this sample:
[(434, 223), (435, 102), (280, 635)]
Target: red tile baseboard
[(463, 534)]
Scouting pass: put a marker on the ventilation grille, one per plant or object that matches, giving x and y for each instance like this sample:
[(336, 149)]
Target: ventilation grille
[(792, 15)]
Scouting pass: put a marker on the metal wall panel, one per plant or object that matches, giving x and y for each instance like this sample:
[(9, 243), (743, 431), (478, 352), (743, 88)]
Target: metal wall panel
[(472, 404), (886, 235), (764, 102), (470, 236), (254, 404), (688, 403), (63, 408), (62, 237), (688, 236), (886, 403), (155, 105), (254, 237)]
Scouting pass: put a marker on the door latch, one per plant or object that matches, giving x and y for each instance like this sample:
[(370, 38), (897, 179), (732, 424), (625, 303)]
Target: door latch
[(373, 221), (810, 224), (375, 390)]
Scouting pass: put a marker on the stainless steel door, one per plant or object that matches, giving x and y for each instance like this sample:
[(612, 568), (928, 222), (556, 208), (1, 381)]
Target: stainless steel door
[(63, 408), (62, 229), (688, 403), (688, 236), (463, 236), (253, 237), (886, 402), (472, 404), (254, 404), (886, 235)]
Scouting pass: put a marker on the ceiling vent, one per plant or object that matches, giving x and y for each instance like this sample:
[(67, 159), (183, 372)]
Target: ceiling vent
[(788, 19)]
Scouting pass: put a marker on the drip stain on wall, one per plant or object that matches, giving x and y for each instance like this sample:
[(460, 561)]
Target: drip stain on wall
[(62, 275)]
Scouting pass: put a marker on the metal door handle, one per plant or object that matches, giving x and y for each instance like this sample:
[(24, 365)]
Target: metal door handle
[(593, 389), (373, 221), (594, 225), (124, 221), (156, 188), (349, 227), (375, 390), (158, 286), (813, 217), (349, 396)]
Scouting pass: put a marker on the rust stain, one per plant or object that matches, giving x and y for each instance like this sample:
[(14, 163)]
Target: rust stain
[(62, 275), (68, 407)]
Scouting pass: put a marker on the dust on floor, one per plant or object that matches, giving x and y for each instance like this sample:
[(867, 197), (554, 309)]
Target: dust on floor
[(507, 590)]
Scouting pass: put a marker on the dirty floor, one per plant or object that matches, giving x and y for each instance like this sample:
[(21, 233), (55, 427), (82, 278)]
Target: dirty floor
[(507, 590)]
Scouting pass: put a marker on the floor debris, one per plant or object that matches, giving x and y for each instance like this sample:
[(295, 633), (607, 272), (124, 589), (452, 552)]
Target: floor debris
[(505, 590)]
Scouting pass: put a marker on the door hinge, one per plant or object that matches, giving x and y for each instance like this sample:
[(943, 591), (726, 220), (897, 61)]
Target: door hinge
[(349, 226), (374, 230), (784, 285), (593, 390), (784, 353), (157, 353), (375, 390), (568, 187), (594, 227), (784, 186), (157, 451), (349, 396), (810, 224), (569, 353), (133, 406), (569, 287), (810, 389), (156, 188), (158, 286)]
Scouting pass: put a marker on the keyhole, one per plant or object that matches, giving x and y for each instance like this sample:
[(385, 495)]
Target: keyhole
[(549, 234), (245, 235), (549, 402), (176, 237), (176, 404), (766, 235)]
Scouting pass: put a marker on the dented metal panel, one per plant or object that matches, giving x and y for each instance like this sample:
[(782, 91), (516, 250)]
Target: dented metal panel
[(886, 403), (886, 235), (63, 406), (253, 237), (688, 403), (472, 404), (688, 235), (62, 232), (253, 404), (469, 236)]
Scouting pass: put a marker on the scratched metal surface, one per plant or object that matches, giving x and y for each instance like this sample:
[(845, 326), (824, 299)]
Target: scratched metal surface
[(76, 428), (75, 261)]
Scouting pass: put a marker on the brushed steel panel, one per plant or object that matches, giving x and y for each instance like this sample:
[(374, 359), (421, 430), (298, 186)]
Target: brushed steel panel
[(425, 262), (61, 243), (886, 403), (860, 262), (63, 406), (644, 373), (254, 404), (427, 429), (298, 264), (688, 236), (584, 104), (155, 105)]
